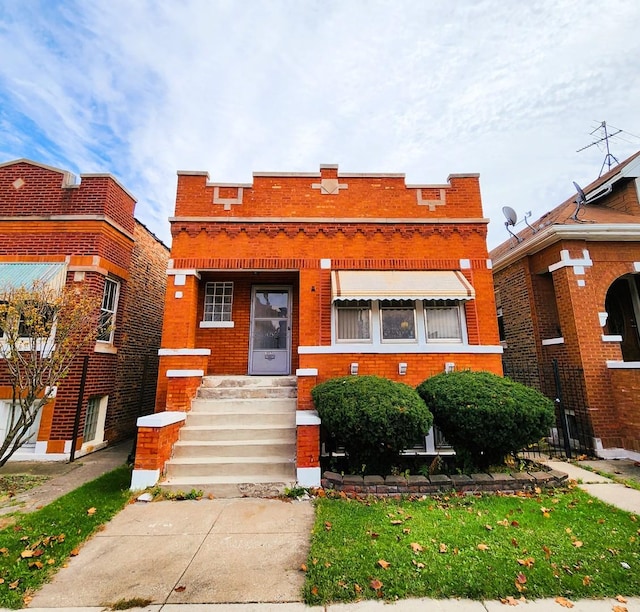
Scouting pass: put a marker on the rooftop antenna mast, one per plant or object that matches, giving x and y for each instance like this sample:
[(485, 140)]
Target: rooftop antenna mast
[(609, 156)]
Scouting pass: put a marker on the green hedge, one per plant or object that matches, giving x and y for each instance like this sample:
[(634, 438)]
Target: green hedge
[(484, 416), (374, 418)]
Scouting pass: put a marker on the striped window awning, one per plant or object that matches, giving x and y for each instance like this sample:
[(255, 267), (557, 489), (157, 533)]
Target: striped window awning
[(14, 275), (400, 285)]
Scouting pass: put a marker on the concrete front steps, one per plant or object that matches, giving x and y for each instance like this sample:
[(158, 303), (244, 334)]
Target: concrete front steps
[(239, 439)]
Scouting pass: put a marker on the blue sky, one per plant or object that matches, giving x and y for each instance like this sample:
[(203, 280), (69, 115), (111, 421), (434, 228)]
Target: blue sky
[(141, 89)]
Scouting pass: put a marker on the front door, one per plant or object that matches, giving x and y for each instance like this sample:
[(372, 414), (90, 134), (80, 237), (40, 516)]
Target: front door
[(270, 340)]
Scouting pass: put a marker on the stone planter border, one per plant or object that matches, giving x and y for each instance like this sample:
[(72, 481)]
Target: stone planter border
[(396, 486)]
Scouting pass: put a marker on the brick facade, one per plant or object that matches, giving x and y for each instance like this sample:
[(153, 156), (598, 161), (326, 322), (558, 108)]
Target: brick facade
[(45, 216), (292, 231), (553, 288)]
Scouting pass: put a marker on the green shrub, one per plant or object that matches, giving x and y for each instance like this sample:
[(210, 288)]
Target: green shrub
[(484, 416), (373, 418)]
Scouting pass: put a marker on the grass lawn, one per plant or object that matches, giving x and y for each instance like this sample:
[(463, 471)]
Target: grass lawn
[(564, 543), (39, 543)]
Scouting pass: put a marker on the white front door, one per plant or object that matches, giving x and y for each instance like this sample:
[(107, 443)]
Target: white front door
[(270, 339)]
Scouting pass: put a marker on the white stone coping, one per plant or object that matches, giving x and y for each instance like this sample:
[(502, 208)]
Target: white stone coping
[(623, 365), (161, 419), (179, 352), (184, 373), (551, 341), (309, 476), (214, 324), (307, 372), (182, 272), (613, 338), (307, 417)]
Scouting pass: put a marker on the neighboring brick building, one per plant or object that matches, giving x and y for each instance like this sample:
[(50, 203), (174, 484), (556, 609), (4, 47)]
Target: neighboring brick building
[(568, 290), (319, 275), (53, 227)]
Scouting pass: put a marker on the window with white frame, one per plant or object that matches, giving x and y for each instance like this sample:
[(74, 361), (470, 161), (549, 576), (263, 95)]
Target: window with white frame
[(442, 321), (353, 320), (218, 301), (398, 320), (106, 322), (94, 420)]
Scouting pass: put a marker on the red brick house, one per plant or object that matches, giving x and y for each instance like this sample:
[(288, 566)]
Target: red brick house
[(57, 230), (567, 289), (309, 276)]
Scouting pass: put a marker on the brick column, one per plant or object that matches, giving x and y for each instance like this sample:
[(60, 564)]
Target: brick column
[(308, 470)]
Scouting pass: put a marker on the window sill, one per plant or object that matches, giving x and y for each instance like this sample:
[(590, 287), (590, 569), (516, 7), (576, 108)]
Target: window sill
[(105, 347), (551, 341), (612, 338), (217, 324)]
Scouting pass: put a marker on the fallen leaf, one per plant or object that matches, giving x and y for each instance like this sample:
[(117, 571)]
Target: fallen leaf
[(406, 531), (50, 561), (528, 562), (416, 547), (521, 588), (417, 564), (180, 588), (620, 599), (36, 564), (303, 567), (14, 585), (521, 578), (620, 609), (27, 599), (91, 511), (504, 523), (586, 581), (374, 535), (26, 554), (75, 552), (564, 602), (384, 564), (577, 543), (483, 547), (397, 522), (327, 564), (488, 527), (514, 542), (4, 551), (375, 584), (314, 590), (327, 526), (515, 524), (442, 548), (357, 588), (547, 552)]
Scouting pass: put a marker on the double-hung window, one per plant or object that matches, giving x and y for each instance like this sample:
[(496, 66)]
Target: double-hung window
[(442, 321), (106, 323), (353, 320), (218, 301)]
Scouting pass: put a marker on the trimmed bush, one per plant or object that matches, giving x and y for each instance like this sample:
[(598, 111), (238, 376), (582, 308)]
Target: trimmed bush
[(484, 416), (374, 418)]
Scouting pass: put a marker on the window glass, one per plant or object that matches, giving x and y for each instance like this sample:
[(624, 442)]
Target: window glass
[(354, 320), (218, 301), (106, 322), (398, 319), (443, 321), (91, 420)]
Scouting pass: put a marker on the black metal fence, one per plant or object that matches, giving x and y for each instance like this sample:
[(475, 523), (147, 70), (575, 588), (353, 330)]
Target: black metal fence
[(572, 434)]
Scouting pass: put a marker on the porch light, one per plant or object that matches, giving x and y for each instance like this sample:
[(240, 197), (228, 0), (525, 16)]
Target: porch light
[(354, 369), (402, 369), (449, 367)]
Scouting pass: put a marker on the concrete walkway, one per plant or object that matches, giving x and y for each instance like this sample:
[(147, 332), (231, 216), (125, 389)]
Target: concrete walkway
[(235, 555)]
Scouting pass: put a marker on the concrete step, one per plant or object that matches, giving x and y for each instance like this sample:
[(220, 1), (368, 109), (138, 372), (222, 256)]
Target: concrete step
[(249, 381), (224, 487), (237, 432), (246, 392), (232, 405), (241, 419), (273, 447), (276, 468)]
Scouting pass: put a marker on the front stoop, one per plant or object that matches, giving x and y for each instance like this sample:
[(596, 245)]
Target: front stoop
[(238, 440)]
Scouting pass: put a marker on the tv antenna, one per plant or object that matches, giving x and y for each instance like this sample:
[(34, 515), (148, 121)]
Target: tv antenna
[(512, 219), (609, 157)]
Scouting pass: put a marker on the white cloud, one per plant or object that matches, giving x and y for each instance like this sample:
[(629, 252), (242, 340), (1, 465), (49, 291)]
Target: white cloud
[(143, 89)]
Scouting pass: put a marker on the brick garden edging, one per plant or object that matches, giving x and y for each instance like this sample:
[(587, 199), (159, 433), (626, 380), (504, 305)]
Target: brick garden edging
[(395, 486)]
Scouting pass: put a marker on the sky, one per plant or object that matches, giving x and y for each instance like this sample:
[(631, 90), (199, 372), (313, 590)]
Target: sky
[(142, 89)]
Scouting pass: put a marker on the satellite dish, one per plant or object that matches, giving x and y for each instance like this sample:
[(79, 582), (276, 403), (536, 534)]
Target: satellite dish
[(581, 200), (512, 219), (510, 214)]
